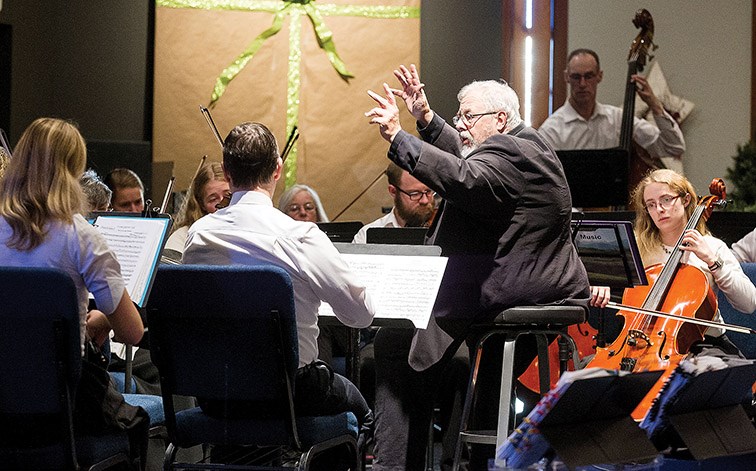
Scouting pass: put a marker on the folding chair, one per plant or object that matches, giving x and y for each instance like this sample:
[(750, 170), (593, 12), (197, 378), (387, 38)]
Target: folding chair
[(40, 348), (228, 334)]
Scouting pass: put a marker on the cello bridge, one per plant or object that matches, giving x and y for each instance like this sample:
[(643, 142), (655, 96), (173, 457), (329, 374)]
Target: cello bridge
[(633, 336)]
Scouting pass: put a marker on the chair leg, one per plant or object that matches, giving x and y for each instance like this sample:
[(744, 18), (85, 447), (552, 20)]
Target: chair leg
[(506, 419), (170, 457)]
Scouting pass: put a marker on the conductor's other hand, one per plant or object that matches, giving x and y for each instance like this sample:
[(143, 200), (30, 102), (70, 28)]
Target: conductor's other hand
[(386, 114), (413, 94), (600, 296)]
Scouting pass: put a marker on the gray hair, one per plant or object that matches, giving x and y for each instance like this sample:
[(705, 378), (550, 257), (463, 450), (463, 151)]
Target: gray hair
[(97, 192), (498, 96), (289, 194)]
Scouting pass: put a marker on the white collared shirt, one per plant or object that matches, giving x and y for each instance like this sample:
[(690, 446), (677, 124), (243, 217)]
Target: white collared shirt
[(388, 220), (251, 231), (565, 129)]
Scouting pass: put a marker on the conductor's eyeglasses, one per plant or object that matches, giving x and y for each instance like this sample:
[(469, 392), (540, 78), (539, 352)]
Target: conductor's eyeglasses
[(665, 202), (295, 208), (417, 195), (467, 118)]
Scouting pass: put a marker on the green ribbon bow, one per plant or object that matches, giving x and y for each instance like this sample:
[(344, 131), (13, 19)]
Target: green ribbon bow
[(295, 9)]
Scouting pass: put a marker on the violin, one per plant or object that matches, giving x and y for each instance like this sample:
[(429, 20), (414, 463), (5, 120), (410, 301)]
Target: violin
[(664, 318)]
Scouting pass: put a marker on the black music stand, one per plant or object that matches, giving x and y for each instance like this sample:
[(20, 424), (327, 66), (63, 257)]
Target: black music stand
[(596, 177), (707, 417), (396, 235), (340, 231), (609, 252), (591, 422), (610, 255)]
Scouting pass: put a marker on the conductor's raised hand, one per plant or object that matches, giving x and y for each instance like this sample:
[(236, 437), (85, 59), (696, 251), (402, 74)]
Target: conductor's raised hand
[(386, 114), (413, 94)]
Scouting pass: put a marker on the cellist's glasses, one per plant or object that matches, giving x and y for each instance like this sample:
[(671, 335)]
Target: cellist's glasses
[(665, 202)]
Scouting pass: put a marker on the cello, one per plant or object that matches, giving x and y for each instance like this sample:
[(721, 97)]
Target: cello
[(685, 303)]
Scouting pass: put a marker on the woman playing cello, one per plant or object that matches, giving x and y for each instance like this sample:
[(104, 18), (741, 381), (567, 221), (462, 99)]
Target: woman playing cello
[(664, 201)]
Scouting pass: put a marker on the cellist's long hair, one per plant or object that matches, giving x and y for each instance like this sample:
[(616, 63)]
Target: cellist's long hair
[(193, 207), (646, 232), (41, 183)]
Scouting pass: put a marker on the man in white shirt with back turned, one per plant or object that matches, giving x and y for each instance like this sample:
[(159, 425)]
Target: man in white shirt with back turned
[(251, 231)]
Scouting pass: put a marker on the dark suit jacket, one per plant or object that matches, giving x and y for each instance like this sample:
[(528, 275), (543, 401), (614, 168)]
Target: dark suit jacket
[(504, 224)]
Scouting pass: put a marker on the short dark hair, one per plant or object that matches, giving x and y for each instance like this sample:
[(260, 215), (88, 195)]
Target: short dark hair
[(394, 174), (250, 155), (589, 52)]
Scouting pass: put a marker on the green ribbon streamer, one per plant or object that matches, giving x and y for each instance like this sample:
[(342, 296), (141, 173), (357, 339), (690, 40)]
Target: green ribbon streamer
[(294, 8)]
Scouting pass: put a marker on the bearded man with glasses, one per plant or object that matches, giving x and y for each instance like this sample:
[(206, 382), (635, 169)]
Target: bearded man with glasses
[(504, 223), (414, 203)]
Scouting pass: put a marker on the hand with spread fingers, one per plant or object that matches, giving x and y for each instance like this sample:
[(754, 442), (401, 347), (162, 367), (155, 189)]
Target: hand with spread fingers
[(413, 94), (386, 114)]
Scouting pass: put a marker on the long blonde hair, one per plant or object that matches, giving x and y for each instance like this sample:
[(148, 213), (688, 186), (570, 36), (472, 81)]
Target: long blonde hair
[(646, 232), (192, 207), (41, 183)]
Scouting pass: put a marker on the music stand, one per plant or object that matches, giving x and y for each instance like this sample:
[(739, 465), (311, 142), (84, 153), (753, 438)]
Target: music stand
[(596, 177), (609, 252), (340, 231), (591, 423), (707, 417), (353, 353), (396, 235)]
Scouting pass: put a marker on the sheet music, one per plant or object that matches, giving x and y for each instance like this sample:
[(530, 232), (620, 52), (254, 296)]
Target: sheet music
[(402, 287), (137, 243)]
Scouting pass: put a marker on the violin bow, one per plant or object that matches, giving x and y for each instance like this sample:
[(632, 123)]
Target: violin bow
[(168, 191), (692, 320), (360, 195), (211, 123), (293, 136)]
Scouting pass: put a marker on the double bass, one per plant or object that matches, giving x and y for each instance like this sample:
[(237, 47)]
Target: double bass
[(685, 303), (640, 162)]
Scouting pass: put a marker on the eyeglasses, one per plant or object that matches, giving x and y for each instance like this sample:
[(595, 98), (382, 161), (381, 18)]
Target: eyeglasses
[(665, 202), (586, 76), (295, 208), (215, 197), (467, 118), (417, 195)]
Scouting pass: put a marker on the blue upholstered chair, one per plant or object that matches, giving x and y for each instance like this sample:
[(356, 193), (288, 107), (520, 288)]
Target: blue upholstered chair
[(228, 335), (745, 342), (40, 348)]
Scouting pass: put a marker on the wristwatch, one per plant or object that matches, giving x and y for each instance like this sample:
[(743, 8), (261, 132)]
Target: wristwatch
[(716, 265)]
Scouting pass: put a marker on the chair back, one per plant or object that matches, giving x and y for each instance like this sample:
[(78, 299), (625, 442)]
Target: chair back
[(224, 333), (745, 342), (39, 339), (40, 347)]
